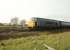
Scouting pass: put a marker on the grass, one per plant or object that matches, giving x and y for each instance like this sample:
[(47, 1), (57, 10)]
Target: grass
[(60, 41)]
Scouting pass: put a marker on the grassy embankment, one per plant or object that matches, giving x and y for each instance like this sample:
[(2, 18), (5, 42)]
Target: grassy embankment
[(60, 41)]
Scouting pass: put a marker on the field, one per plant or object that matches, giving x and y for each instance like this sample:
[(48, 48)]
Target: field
[(59, 41)]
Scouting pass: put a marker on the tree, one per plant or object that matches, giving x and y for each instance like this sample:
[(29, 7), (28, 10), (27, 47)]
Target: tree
[(14, 21), (22, 23)]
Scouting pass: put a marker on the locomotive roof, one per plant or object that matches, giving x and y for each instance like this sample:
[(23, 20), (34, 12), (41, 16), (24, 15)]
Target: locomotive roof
[(36, 18)]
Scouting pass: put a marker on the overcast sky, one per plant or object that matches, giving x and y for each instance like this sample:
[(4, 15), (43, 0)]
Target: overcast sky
[(25, 9)]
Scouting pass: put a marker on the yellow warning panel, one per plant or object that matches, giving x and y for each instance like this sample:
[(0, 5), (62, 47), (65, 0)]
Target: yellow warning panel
[(30, 23)]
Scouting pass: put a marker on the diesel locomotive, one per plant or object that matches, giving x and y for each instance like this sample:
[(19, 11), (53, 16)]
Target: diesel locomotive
[(42, 23)]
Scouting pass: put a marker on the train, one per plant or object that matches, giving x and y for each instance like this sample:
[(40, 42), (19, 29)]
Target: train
[(42, 23)]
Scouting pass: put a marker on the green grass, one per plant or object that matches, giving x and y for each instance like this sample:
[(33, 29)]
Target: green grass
[(60, 41)]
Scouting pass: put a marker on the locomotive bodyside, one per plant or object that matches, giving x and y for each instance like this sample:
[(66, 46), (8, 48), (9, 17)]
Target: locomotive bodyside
[(47, 23)]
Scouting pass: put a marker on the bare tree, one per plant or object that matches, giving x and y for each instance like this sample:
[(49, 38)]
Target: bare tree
[(22, 23), (14, 21)]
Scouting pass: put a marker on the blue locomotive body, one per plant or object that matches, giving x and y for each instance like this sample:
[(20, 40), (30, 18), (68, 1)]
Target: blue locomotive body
[(47, 23)]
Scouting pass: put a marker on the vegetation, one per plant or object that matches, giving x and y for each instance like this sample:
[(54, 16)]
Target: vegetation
[(58, 41), (7, 28)]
